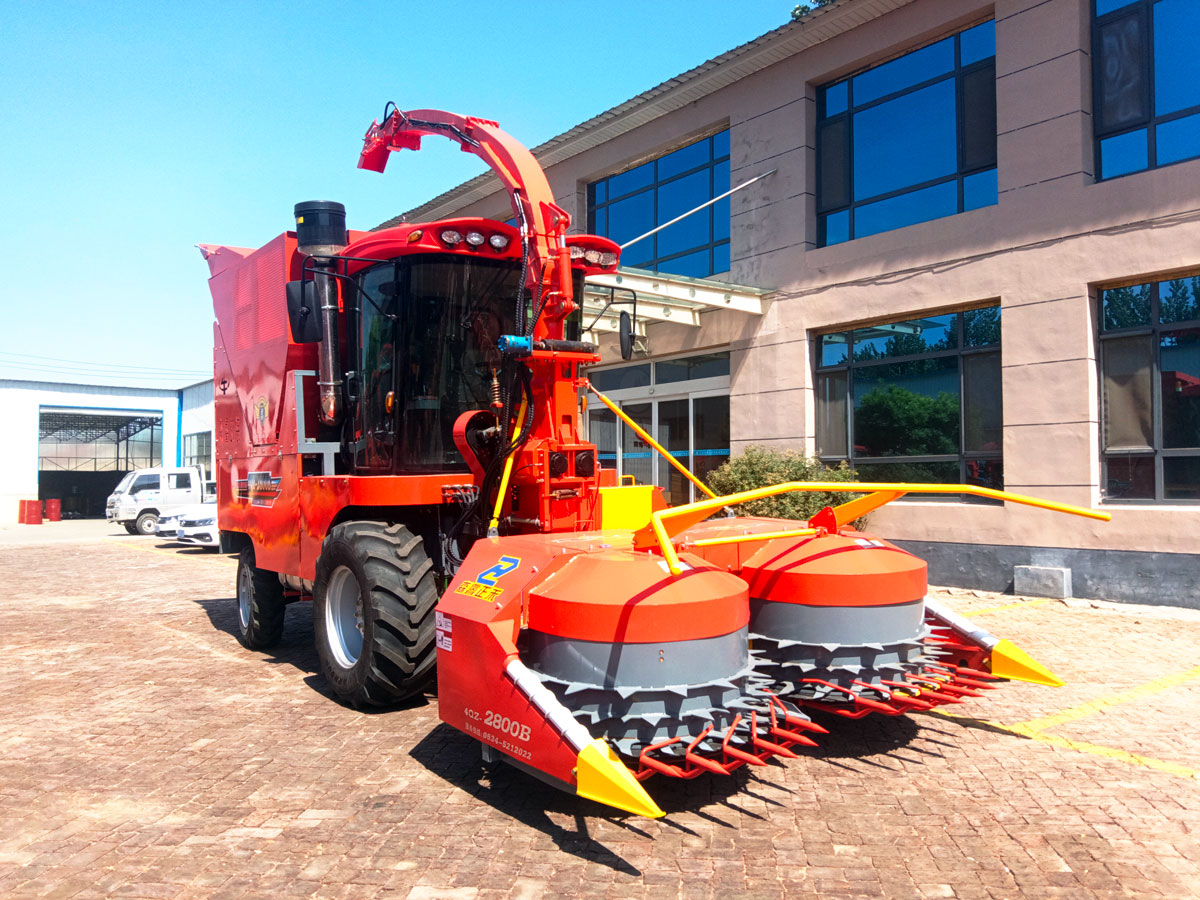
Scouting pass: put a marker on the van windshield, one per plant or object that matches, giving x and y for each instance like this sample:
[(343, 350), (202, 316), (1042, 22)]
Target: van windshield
[(123, 484)]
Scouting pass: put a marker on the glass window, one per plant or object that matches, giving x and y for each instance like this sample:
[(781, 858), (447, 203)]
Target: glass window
[(637, 457), (427, 351), (197, 450), (710, 365), (1146, 96), (910, 140), (178, 481), (674, 434), (144, 483), (602, 431), (620, 378), (1150, 400), (914, 399), (628, 205), (683, 403)]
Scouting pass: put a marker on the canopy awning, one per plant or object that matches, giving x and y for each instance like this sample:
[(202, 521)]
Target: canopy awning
[(660, 298)]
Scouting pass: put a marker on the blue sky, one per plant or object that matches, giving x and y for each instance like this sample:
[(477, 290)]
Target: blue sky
[(132, 132)]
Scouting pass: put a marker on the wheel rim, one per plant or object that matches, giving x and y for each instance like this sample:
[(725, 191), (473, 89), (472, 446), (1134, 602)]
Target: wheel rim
[(243, 595), (344, 617), (148, 526)]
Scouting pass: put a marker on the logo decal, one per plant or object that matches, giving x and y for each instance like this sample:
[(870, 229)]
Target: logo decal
[(260, 410), (260, 488), (506, 565), (482, 591)]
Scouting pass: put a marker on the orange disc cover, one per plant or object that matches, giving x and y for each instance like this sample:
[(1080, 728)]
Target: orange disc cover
[(835, 570), (620, 596)]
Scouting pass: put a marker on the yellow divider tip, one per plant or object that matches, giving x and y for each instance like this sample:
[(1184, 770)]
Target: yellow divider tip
[(601, 776), (1010, 661)]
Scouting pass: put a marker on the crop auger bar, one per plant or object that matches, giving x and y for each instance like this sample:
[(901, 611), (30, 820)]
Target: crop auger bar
[(399, 441)]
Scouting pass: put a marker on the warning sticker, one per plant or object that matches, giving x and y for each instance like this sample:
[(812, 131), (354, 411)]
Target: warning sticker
[(482, 591), (445, 642), (442, 622)]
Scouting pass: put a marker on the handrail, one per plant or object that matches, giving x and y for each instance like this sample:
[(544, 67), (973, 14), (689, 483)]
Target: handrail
[(666, 523)]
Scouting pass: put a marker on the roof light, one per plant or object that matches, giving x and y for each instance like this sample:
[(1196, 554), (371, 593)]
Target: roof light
[(608, 259), (451, 237), (592, 256), (498, 241), (414, 236), (576, 252), (474, 238)]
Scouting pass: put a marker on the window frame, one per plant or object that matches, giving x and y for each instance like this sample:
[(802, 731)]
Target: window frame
[(655, 393), (964, 457), (1157, 451), (1145, 10), (958, 74), (657, 262)]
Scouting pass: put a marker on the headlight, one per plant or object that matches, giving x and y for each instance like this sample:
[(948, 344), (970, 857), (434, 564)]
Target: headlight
[(498, 241), (576, 252), (207, 522), (592, 257), (451, 237), (474, 238), (608, 259)]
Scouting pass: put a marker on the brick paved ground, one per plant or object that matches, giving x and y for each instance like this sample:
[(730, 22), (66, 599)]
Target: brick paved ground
[(143, 753)]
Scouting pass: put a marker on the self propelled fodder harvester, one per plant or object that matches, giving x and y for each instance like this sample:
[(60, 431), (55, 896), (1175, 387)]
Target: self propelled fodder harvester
[(397, 439)]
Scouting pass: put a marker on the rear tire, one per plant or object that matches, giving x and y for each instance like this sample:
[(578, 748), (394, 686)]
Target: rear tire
[(260, 604), (147, 523), (373, 606)]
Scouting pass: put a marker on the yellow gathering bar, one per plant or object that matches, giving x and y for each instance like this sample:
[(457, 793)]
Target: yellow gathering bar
[(666, 523), (760, 536), (645, 436)]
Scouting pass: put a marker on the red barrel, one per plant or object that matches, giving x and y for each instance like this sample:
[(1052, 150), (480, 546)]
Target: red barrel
[(30, 512), (54, 510)]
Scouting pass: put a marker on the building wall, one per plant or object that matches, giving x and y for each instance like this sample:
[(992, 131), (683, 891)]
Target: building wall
[(196, 415), (1054, 234), (22, 401)]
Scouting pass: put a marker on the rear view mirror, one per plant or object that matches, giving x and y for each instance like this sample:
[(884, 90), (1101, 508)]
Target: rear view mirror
[(626, 334), (303, 313)]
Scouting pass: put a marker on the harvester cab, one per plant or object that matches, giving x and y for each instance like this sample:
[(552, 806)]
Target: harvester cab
[(398, 440)]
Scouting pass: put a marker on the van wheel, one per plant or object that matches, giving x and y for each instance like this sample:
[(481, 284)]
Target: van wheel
[(373, 606), (130, 527), (260, 604), (146, 523)]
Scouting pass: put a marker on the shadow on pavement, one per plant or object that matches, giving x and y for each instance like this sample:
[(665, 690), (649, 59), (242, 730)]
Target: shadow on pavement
[(455, 757), (296, 649)]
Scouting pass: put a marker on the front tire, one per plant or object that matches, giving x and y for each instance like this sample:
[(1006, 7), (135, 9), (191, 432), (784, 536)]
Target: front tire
[(260, 604), (130, 527), (147, 523), (373, 606)]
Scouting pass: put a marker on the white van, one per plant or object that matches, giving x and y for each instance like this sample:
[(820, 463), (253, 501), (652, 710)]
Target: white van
[(145, 494)]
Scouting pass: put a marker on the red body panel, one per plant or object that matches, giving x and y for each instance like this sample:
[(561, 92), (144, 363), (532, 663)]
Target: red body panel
[(477, 622)]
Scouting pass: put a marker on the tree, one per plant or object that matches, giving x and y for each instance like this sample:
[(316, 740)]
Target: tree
[(894, 421), (800, 10)]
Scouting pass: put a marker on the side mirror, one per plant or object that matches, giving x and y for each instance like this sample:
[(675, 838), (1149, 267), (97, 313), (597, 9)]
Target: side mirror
[(303, 313), (626, 334)]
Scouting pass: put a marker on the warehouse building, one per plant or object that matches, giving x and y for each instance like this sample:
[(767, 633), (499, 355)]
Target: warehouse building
[(964, 246), (74, 442)]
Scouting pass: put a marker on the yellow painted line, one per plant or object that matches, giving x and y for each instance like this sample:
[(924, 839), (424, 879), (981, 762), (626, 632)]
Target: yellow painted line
[(1099, 705), (1020, 604), (1080, 746)]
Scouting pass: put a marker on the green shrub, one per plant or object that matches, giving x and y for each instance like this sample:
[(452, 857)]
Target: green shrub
[(760, 467)]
